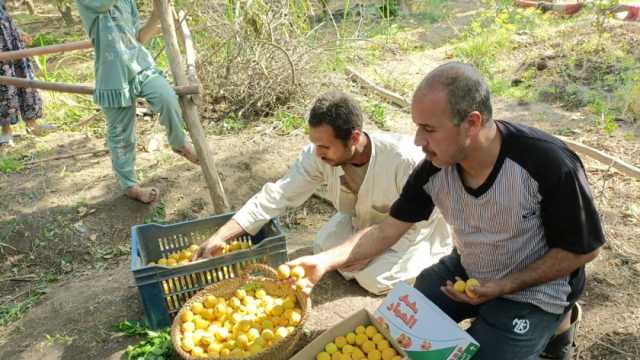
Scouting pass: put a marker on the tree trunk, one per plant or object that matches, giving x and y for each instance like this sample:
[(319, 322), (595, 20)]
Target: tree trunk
[(65, 12), (30, 7)]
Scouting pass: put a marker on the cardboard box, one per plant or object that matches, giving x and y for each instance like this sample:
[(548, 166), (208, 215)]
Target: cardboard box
[(361, 317), (421, 329), (412, 324)]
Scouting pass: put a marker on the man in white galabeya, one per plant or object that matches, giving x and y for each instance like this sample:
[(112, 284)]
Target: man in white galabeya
[(364, 174)]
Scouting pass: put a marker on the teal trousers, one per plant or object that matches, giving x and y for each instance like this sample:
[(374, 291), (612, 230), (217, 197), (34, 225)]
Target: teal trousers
[(121, 121)]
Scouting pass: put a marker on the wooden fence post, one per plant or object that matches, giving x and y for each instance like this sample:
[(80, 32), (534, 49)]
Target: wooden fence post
[(190, 109)]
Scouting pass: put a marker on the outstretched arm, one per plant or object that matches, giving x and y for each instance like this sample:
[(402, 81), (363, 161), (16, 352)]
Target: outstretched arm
[(365, 244), (151, 28)]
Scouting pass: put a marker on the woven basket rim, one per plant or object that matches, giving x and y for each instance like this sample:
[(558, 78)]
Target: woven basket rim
[(285, 344)]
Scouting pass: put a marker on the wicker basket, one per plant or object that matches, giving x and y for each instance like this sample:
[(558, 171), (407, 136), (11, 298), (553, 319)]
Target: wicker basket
[(279, 351)]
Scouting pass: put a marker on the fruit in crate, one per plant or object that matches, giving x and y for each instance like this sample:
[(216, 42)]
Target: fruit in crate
[(364, 342), (236, 245), (184, 256), (242, 325)]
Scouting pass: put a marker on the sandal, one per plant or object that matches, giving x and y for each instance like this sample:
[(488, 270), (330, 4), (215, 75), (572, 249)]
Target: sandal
[(561, 346), (6, 139), (42, 129)]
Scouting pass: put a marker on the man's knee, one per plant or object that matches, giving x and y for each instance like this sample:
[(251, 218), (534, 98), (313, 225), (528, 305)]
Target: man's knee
[(163, 99), (372, 283), (508, 329), (337, 230)]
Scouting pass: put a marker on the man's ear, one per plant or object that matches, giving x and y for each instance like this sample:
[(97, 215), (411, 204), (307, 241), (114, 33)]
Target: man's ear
[(473, 122), (355, 136)]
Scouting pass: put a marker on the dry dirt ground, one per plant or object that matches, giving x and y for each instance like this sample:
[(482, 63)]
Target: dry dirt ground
[(67, 220)]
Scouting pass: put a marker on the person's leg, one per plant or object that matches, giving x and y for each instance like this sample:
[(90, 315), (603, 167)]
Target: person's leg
[(562, 344), (338, 229), (383, 272), (379, 275), (163, 100), (432, 278), (507, 330), (29, 99), (121, 139), (9, 105)]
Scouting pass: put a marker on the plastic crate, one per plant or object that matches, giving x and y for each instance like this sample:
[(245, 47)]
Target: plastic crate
[(163, 290)]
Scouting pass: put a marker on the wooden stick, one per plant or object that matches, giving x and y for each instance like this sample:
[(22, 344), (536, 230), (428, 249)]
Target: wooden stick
[(389, 96), (77, 89), (29, 277), (43, 50), (603, 157), (66, 156), (43, 85), (189, 108), (190, 51)]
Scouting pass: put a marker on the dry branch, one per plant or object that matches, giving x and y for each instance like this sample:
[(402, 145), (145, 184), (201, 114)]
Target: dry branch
[(30, 277), (603, 157), (387, 95), (66, 156)]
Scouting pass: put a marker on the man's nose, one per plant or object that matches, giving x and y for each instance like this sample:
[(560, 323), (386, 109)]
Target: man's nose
[(420, 139)]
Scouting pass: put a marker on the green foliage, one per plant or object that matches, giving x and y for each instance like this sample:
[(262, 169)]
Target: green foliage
[(155, 346), (602, 15), (492, 35), (289, 122), (58, 339), (131, 328), (46, 40), (12, 312), (376, 113), (158, 214), (10, 164), (231, 124)]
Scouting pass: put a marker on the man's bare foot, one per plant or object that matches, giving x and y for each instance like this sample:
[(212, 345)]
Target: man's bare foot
[(189, 153), (144, 195)]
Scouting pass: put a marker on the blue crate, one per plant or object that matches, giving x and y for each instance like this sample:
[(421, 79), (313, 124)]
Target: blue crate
[(163, 290)]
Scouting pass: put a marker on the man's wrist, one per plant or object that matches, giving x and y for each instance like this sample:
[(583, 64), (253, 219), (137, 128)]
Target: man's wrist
[(509, 286)]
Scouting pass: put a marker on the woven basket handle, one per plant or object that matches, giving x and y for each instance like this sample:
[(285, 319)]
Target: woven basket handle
[(265, 269)]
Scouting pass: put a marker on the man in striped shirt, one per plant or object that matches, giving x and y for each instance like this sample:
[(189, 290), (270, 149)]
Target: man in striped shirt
[(522, 213)]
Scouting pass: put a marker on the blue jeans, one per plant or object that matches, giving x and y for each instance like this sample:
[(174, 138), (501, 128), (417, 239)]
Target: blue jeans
[(505, 329)]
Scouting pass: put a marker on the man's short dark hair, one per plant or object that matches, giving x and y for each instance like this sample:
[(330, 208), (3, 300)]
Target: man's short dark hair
[(466, 89), (339, 111)]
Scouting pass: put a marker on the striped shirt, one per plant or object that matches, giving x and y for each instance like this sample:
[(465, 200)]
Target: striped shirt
[(536, 198)]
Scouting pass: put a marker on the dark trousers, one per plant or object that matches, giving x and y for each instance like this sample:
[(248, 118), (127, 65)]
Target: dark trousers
[(505, 329)]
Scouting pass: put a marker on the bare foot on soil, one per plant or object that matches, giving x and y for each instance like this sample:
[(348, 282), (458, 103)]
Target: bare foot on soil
[(189, 153), (144, 195)]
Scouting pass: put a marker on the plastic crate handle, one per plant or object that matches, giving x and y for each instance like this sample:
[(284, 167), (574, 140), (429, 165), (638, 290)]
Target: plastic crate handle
[(135, 261)]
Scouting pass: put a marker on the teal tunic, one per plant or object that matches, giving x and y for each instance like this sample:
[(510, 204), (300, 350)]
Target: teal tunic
[(113, 26), (124, 71)]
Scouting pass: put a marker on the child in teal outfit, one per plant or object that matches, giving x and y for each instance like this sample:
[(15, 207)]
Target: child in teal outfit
[(125, 70)]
